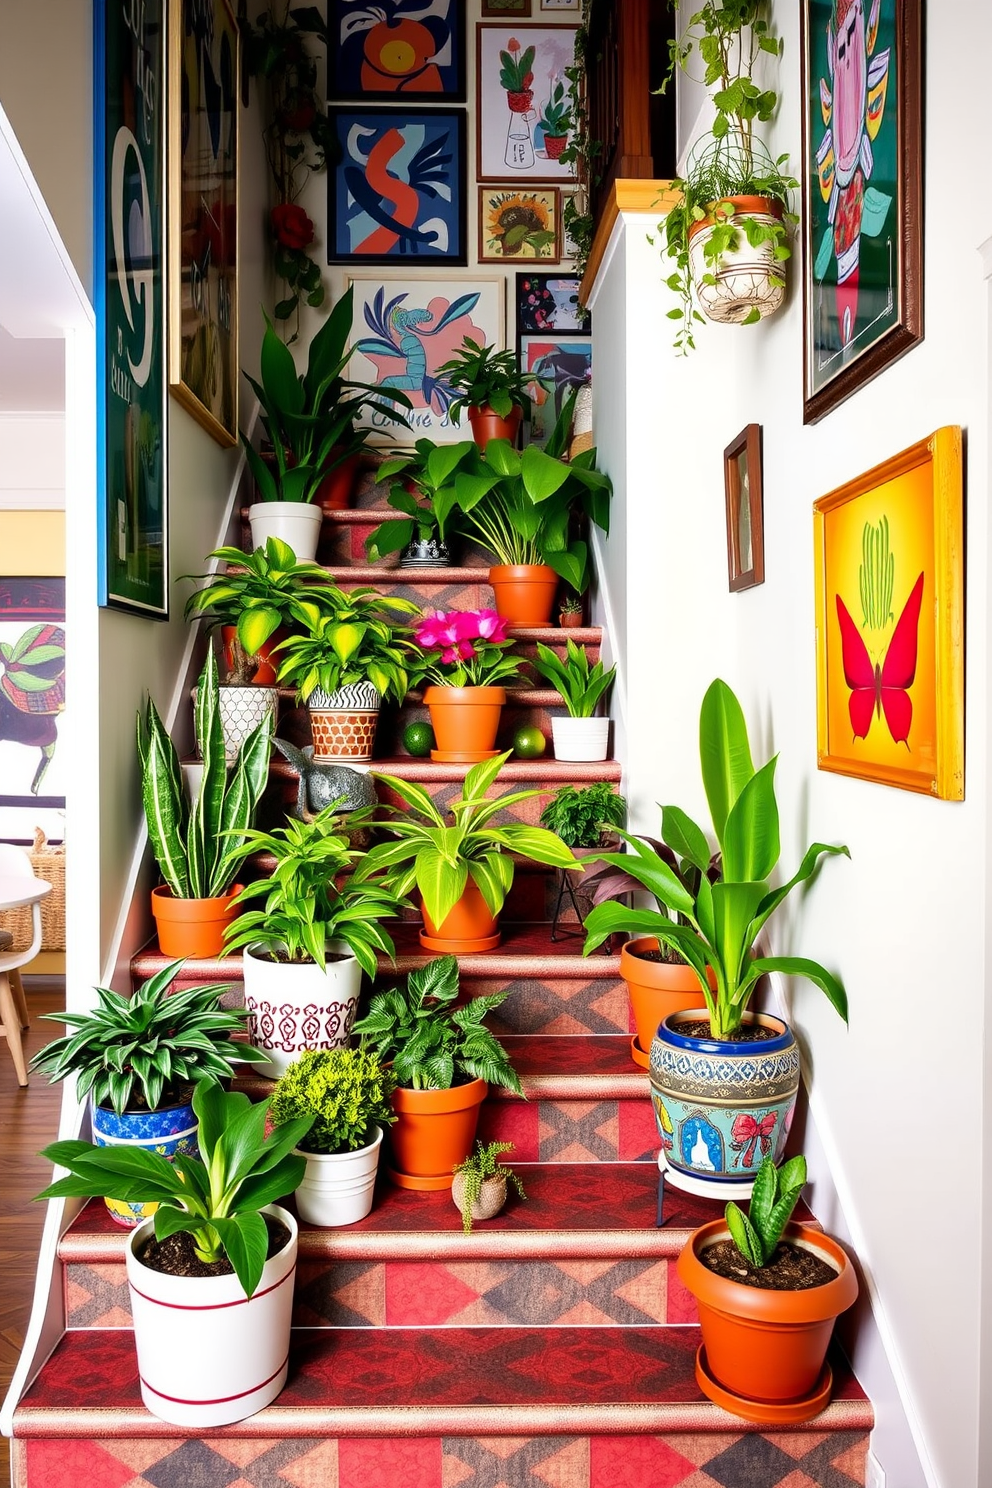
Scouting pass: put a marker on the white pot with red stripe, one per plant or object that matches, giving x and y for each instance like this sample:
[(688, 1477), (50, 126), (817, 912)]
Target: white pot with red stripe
[(207, 1354)]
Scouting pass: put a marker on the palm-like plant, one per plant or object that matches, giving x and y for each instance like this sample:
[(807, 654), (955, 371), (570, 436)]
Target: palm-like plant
[(356, 639)]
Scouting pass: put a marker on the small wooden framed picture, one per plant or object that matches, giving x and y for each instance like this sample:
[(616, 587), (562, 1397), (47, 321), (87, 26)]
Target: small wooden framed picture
[(548, 7), (745, 534), (519, 224), (498, 10)]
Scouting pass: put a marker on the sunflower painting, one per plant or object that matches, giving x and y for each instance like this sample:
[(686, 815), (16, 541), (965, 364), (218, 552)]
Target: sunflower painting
[(516, 224)]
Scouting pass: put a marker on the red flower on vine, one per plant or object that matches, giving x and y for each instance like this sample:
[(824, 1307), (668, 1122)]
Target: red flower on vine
[(291, 226)]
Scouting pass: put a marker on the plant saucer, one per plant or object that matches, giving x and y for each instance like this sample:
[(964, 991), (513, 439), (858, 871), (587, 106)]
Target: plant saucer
[(430, 1183), (766, 1412)]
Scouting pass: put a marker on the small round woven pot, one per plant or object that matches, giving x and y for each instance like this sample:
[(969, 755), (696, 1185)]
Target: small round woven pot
[(491, 1198)]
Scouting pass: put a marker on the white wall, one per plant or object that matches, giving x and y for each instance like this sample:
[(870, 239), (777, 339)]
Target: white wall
[(899, 1131)]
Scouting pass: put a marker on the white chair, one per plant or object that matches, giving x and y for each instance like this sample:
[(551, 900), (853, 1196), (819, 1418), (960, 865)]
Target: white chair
[(15, 865)]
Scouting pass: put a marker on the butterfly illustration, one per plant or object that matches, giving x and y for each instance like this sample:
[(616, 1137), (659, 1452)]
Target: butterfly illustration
[(878, 689)]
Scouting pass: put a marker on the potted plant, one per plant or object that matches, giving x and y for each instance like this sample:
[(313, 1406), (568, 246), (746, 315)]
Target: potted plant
[(352, 656), (462, 867), (580, 736), (729, 236), (464, 656), (570, 612), (211, 1275), (318, 929), (491, 387), (768, 1293), (421, 485), (138, 1057), (478, 1187), (193, 844), (444, 1060), (556, 121), (347, 1094), (752, 1058), (311, 421), (585, 818)]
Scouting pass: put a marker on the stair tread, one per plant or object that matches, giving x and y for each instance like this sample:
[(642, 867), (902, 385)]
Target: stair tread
[(557, 1066), (535, 697), (421, 1381)]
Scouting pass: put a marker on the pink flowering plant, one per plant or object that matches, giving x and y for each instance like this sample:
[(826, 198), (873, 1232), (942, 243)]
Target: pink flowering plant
[(464, 648)]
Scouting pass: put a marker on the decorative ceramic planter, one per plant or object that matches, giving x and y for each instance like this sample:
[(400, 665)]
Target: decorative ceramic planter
[(337, 1186), (344, 722), (763, 1351), (469, 928), (742, 275), (207, 1354), (722, 1107), (430, 552), (294, 522), (486, 424), (168, 1132), (434, 1130), (337, 487), (525, 592), (465, 721), (492, 1196), (292, 1008), (192, 927), (242, 709), (581, 738), (265, 673)]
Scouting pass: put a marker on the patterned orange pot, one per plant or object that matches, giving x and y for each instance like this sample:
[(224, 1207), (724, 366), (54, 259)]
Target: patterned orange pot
[(343, 723)]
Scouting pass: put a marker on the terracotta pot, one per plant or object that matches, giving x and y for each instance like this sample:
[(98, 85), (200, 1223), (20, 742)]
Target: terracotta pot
[(434, 1130), (337, 487), (525, 592), (470, 926), (265, 676), (192, 927), (464, 720), (570, 619), (655, 989), (486, 425), (554, 144), (740, 281), (492, 1196), (765, 1350)]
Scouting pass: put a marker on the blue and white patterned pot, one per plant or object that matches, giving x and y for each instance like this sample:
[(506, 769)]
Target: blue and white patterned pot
[(722, 1107), (167, 1132)]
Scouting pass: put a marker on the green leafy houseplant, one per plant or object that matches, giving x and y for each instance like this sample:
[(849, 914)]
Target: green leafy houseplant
[(144, 1051), (432, 1043), (774, 1196), (314, 895), (440, 857), (356, 638), (258, 592), (480, 1167), (717, 924), (217, 1198), (484, 377), (579, 814), (344, 1091), (431, 470), (556, 118), (193, 845), (579, 685)]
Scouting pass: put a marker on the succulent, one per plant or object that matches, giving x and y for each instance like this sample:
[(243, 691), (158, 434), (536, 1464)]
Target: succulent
[(774, 1196), (346, 1091)]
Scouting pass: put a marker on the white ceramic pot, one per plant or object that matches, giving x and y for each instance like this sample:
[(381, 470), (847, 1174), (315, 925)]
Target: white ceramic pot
[(581, 738), (294, 522), (742, 278), (207, 1354), (292, 1008), (242, 710), (337, 1186)]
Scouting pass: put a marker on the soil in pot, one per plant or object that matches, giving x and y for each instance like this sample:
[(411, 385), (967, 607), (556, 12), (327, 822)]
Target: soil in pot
[(791, 1268), (753, 1033), (281, 957), (176, 1255)]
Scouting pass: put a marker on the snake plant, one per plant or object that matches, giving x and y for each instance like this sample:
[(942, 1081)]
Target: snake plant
[(776, 1193), (194, 847)]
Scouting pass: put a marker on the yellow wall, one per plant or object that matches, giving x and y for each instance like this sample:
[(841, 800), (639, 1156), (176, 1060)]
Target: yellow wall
[(32, 544)]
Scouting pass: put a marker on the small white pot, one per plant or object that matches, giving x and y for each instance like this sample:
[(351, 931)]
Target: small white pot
[(295, 522), (581, 738), (337, 1186), (192, 778), (242, 710), (207, 1354), (292, 1008)]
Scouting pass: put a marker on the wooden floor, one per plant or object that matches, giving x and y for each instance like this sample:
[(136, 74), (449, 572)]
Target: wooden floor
[(28, 1121)]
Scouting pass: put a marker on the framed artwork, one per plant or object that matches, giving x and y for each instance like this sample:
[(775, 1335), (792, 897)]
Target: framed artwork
[(203, 214), (404, 330), (742, 487), (396, 194), (561, 6), (32, 701), (890, 621), (396, 50), (550, 302), (562, 363), (517, 223), (522, 114), (862, 194), (495, 10), (129, 282)]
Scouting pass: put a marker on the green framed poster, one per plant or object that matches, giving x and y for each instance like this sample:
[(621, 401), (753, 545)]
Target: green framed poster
[(129, 280)]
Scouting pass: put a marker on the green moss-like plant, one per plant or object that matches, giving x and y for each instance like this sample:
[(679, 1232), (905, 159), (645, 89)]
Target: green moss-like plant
[(346, 1091), (484, 1163)]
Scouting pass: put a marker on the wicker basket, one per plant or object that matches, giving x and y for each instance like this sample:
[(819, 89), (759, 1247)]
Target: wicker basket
[(48, 863)]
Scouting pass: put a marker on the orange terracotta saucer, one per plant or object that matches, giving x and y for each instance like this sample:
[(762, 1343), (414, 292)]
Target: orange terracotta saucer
[(766, 1412), (451, 947), (637, 1054), (429, 1184)]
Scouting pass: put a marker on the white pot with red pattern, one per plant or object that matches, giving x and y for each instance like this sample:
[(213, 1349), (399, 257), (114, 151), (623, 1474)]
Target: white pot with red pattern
[(298, 1006)]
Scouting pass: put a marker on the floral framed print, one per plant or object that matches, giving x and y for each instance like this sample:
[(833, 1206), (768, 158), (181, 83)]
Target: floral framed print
[(862, 193), (403, 331), (203, 214), (742, 490), (396, 51), (523, 122), (517, 224), (396, 193), (559, 365), (129, 294), (550, 302), (889, 576)]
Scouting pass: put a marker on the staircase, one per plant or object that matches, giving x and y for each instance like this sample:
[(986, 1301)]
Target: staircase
[(552, 1348)]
